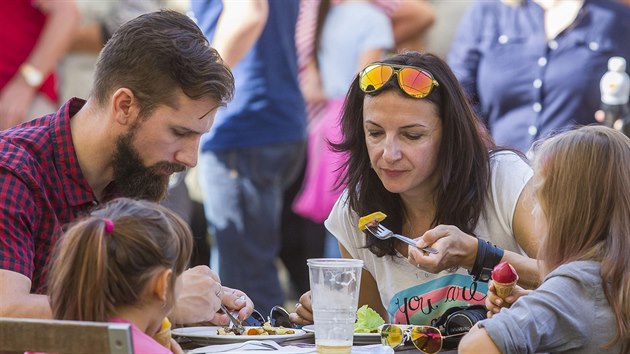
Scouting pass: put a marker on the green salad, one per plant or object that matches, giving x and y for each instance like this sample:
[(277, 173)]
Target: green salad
[(368, 320)]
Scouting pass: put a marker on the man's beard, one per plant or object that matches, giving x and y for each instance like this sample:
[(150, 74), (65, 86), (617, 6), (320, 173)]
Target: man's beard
[(132, 179)]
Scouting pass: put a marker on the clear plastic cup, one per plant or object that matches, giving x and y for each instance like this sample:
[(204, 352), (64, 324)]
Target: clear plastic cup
[(335, 293)]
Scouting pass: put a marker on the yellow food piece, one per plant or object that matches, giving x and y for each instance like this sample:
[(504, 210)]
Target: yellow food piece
[(163, 336), (166, 324), (364, 220)]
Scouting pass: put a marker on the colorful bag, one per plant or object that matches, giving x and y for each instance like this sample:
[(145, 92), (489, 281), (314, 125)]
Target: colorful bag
[(318, 194)]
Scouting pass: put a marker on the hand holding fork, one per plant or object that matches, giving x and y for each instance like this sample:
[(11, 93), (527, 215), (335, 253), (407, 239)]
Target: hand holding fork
[(381, 232)]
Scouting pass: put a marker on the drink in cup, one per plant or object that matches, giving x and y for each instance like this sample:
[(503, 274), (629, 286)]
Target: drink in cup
[(335, 292)]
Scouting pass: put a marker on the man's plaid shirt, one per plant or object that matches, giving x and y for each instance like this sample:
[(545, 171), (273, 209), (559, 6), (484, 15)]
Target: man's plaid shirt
[(41, 190)]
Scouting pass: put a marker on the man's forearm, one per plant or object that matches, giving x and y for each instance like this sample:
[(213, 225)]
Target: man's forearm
[(16, 300), (28, 306)]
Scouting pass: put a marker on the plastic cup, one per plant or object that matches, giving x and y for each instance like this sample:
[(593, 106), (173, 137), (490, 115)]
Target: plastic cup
[(335, 293)]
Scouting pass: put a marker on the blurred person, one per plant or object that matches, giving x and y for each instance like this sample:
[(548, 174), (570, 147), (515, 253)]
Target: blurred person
[(533, 66), (255, 149), (99, 20), (34, 35), (345, 43), (122, 264), (417, 152), (582, 189), (410, 21), (157, 87)]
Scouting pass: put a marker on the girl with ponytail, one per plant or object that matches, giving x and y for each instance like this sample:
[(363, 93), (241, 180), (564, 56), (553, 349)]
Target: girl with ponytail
[(121, 264)]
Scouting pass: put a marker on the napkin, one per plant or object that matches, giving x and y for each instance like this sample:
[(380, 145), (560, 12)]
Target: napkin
[(268, 346)]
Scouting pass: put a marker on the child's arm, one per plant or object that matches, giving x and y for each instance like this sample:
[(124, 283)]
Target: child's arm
[(477, 341)]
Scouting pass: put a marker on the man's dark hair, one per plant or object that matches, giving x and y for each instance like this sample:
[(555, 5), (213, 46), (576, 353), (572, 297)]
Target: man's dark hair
[(156, 54)]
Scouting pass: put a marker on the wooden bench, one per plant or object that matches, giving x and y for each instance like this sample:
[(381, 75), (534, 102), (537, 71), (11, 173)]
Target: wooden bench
[(53, 336)]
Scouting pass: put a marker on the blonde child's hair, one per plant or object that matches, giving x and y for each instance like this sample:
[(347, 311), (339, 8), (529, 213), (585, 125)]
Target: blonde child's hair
[(582, 183)]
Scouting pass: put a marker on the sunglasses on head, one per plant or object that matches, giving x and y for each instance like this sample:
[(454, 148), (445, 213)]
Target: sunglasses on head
[(278, 316), (415, 82), (426, 339)]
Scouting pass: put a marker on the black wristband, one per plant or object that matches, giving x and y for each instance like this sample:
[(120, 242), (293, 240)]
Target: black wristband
[(488, 256)]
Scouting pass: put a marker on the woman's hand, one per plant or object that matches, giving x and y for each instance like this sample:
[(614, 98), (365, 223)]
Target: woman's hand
[(494, 303), (455, 249), (303, 314)]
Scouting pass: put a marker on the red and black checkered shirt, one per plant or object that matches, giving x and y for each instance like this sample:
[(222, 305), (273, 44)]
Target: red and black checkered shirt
[(41, 189)]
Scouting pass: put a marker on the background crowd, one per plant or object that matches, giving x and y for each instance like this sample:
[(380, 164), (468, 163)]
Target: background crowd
[(279, 154)]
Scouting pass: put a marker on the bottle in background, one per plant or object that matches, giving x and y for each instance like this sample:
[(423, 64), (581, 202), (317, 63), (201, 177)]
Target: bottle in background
[(615, 91)]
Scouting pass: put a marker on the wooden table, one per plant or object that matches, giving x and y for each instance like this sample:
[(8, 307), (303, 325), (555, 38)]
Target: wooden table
[(189, 345)]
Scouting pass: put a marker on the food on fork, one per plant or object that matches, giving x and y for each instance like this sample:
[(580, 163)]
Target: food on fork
[(505, 278), (163, 336), (371, 220), (265, 330)]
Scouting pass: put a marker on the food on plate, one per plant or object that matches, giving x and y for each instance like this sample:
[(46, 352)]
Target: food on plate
[(505, 278), (265, 330), (368, 320), (163, 336), (371, 220)]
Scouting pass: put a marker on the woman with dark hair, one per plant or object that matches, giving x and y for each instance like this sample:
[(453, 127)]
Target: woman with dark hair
[(581, 188), (418, 153)]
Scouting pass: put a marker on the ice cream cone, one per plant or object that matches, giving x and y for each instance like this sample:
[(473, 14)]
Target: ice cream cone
[(163, 336), (504, 277), (503, 290)]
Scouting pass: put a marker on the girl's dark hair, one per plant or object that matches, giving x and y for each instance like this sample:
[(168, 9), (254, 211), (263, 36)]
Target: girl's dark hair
[(463, 160), (94, 270)]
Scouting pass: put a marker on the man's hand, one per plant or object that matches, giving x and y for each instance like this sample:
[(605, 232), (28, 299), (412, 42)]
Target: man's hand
[(199, 297), (235, 300)]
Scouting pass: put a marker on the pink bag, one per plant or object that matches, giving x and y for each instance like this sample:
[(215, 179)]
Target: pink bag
[(317, 197)]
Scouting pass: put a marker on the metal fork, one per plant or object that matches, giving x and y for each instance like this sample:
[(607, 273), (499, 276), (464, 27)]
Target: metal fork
[(383, 233), (237, 324)]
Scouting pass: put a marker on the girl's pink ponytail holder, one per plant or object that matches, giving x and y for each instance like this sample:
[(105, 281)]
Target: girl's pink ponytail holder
[(109, 226)]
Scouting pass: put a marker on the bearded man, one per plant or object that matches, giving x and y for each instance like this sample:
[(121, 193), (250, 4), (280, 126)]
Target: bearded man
[(157, 87)]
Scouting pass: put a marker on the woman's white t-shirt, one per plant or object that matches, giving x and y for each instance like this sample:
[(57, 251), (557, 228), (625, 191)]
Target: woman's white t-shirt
[(413, 296)]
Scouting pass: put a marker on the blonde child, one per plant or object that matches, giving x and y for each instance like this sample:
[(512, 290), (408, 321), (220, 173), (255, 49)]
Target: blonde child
[(121, 264), (582, 190)]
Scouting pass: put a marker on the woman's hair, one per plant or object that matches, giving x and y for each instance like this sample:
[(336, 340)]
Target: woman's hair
[(582, 184), (463, 160), (97, 268)]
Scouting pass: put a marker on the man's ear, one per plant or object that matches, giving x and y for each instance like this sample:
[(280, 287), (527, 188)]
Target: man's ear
[(162, 283), (124, 106)]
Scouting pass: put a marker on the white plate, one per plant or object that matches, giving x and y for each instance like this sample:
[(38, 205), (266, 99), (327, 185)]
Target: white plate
[(359, 338), (208, 335)]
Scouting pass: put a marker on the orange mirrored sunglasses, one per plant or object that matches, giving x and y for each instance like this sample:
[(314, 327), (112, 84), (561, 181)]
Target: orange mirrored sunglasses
[(413, 81), (426, 339)]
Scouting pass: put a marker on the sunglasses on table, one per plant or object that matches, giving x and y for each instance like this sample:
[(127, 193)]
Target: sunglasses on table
[(278, 316), (415, 82), (426, 339)]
